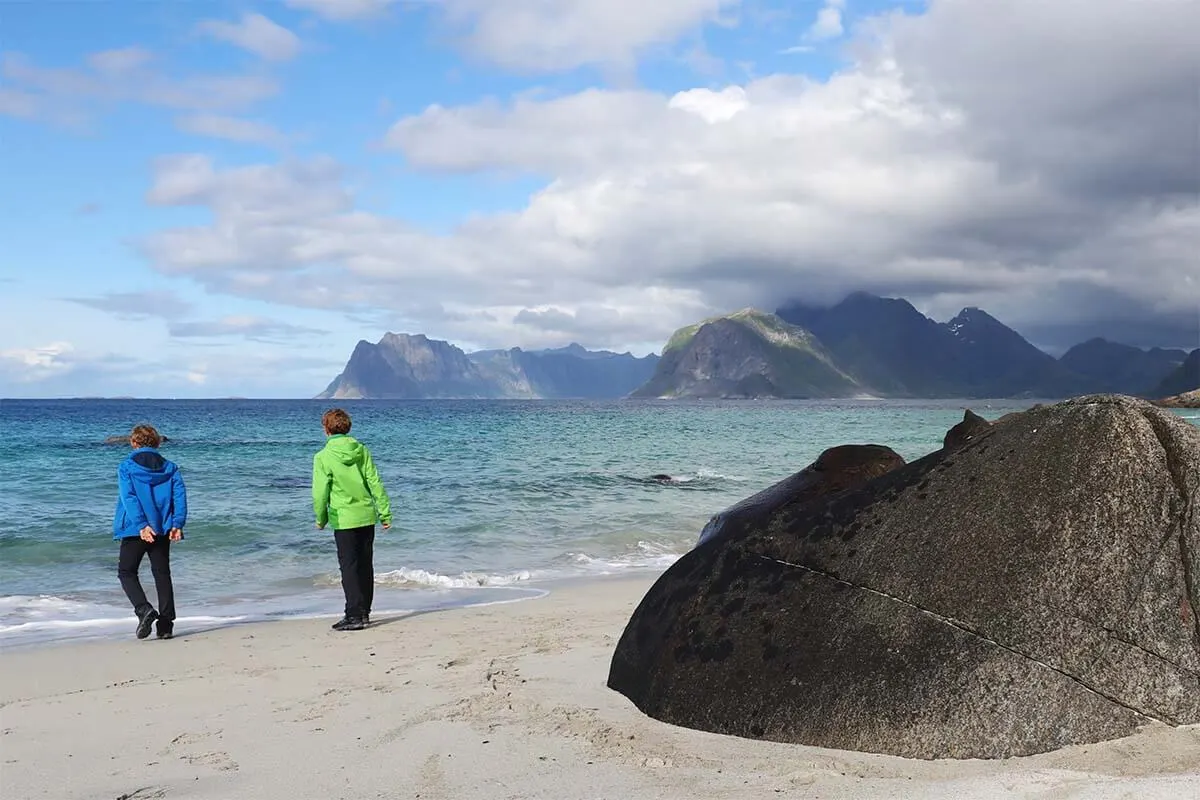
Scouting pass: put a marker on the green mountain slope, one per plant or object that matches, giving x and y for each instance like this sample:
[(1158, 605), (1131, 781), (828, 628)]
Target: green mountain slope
[(743, 355)]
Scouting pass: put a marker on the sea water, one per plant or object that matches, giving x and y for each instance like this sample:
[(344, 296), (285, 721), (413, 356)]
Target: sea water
[(492, 501)]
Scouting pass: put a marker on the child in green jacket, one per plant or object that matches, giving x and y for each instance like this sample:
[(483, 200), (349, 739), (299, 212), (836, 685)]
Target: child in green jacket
[(348, 494)]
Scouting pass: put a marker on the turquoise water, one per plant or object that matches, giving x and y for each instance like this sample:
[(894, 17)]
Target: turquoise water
[(492, 499)]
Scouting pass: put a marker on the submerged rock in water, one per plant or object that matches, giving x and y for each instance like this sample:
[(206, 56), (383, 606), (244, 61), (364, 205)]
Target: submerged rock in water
[(1034, 589), (124, 440), (835, 470)]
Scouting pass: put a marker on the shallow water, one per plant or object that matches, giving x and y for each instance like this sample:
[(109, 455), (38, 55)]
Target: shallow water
[(490, 498)]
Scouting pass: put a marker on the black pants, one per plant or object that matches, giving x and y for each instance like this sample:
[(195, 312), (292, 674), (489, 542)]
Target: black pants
[(132, 550), (356, 550)]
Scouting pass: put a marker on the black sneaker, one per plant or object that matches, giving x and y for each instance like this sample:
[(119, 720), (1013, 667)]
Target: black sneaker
[(166, 630), (144, 623), (366, 619), (349, 624)]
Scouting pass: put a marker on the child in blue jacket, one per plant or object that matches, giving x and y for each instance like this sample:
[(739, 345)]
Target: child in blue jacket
[(151, 512)]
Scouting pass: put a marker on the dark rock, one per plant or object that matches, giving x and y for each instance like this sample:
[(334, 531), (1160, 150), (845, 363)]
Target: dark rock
[(972, 427), (662, 478), (124, 440), (835, 470), (1035, 589)]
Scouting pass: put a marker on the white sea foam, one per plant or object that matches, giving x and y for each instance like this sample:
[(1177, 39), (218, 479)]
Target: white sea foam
[(710, 475), (102, 623), (28, 620), (34, 605), (649, 555), (466, 580), (646, 556)]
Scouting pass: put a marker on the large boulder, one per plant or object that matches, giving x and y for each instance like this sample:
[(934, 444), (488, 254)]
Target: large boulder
[(835, 470), (1035, 588)]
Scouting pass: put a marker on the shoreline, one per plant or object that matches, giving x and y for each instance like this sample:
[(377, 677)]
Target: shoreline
[(115, 630), (501, 701)]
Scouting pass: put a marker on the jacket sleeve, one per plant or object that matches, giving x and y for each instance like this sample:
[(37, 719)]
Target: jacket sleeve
[(129, 499), (383, 504), (320, 491), (178, 502)]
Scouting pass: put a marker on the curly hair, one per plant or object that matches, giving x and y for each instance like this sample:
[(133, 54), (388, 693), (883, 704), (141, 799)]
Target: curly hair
[(336, 421), (145, 436)]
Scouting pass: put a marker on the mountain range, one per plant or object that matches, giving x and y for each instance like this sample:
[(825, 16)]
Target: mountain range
[(417, 367), (863, 346)]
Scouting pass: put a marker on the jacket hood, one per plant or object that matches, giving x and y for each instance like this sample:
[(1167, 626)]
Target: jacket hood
[(345, 449), (149, 467)]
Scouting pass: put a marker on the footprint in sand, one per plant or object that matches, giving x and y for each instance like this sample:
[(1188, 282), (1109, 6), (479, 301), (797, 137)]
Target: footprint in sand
[(218, 759)]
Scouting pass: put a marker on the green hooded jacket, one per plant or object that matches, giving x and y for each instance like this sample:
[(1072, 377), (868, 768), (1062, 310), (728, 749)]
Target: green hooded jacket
[(346, 489)]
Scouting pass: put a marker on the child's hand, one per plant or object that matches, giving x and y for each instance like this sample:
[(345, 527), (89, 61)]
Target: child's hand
[(320, 526), (387, 526), (176, 534), (147, 534)]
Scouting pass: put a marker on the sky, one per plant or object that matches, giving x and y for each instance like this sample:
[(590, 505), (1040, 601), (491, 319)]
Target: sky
[(211, 198)]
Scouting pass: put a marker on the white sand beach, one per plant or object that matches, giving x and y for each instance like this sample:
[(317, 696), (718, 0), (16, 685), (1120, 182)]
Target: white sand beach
[(498, 702)]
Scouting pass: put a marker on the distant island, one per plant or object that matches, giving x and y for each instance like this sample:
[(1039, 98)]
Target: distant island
[(407, 366), (865, 346)]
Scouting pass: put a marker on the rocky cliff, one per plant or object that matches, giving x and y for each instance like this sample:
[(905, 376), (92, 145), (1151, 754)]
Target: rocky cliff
[(417, 367)]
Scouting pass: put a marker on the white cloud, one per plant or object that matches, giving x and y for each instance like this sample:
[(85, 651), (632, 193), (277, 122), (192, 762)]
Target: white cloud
[(550, 35), (963, 158), (111, 77), (122, 61), (256, 34), (61, 370), (138, 305), (828, 24), (247, 326), (539, 136), (343, 10), (233, 129), (15, 103), (534, 35), (37, 363)]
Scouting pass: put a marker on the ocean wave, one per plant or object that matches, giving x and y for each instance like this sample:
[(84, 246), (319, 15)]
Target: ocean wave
[(25, 606), (99, 624), (33, 620), (700, 476), (645, 556), (465, 580)]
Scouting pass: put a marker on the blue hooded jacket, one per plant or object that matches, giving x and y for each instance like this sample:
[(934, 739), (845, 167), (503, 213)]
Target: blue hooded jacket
[(150, 492)]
